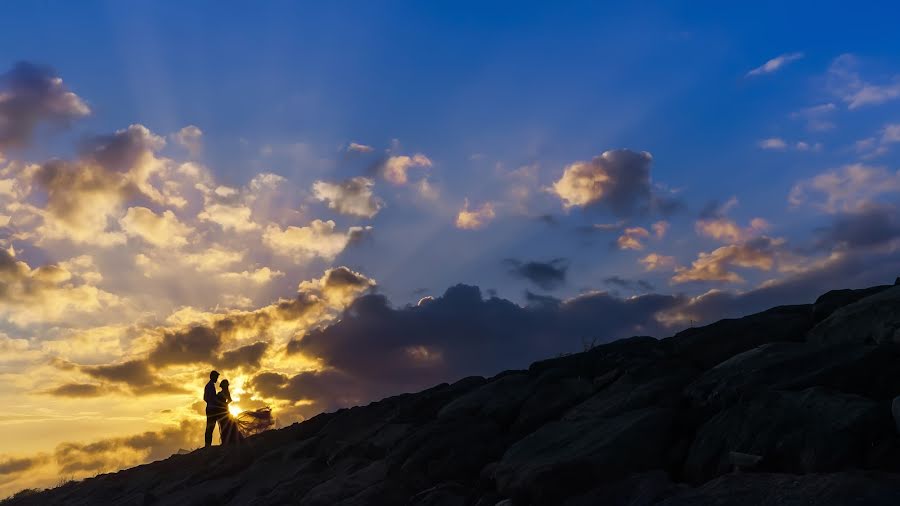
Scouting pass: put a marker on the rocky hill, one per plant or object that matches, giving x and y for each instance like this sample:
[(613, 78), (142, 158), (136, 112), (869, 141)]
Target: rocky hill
[(794, 405)]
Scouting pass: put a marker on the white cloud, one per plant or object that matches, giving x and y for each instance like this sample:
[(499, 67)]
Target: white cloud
[(191, 139), (846, 189), (845, 82), (353, 197), (396, 167), (318, 239), (473, 219), (775, 64), (159, 230)]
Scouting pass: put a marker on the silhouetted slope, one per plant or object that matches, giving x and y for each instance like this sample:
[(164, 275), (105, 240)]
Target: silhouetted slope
[(806, 389)]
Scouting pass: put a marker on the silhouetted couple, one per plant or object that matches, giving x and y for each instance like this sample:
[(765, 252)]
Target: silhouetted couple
[(217, 412)]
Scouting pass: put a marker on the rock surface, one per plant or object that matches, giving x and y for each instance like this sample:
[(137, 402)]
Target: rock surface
[(807, 396)]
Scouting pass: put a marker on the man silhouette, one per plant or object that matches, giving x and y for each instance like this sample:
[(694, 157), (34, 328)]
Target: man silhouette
[(213, 409)]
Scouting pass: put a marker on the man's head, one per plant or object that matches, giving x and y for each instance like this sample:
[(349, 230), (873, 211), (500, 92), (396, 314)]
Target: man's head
[(214, 375)]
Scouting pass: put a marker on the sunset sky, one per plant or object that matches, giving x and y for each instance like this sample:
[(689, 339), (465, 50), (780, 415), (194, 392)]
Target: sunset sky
[(334, 204)]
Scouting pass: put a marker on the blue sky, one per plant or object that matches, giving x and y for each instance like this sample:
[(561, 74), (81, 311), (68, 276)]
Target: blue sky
[(265, 173)]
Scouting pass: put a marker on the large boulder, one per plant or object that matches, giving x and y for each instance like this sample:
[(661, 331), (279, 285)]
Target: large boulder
[(813, 430), (870, 371), (838, 489), (874, 319), (713, 344), (831, 301), (602, 359), (498, 400), (564, 458)]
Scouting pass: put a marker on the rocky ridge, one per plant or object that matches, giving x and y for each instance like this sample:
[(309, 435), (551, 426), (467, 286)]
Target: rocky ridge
[(796, 405)]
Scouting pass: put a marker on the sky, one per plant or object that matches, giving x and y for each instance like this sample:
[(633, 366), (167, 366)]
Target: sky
[(334, 203)]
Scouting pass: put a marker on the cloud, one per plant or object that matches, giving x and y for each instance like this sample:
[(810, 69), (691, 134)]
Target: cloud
[(872, 147), (77, 390), (547, 275), (378, 349), (779, 144), (628, 284), (30, 95), (230, 217), (816, 116), (191, 139), (359, 148), (846, 189), (338, 286), (395, 168), (724, 229), (83, 459), (845, 82), (158, 230), (655, 261), (757, 253), (631, 238), (772, 143), (197, 344), (11, 466), (867, 227), (474, 219), (660, 228), (353, 197), (136, 374), (775, 64), (618, 179), (48, 294), (318, 239), (247, 357)]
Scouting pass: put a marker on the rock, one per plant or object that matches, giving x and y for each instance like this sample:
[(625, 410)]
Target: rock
[(566, 457), (602, 359), (444, 494), (895, 411), (643, 386), (874, 319), (753, 489), (813, 430), (549, 400), (643, 489), (713, 344), (831, 301), (870, 371), (498, 400)]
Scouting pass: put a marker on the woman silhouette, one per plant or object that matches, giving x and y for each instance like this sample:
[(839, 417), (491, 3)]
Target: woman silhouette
[(228, 427)]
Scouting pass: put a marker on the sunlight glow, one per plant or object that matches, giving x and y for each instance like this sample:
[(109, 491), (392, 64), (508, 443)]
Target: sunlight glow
[(234, 409)]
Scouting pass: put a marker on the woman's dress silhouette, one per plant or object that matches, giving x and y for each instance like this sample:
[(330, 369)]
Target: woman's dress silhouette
[(233, 429)]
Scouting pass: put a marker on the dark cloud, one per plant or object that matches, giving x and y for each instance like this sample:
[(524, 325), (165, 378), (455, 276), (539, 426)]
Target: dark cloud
[(19, 465), (384, 349), (123, 149), (197, 344), (628, 284), (245, 357), (137, 375), (32, 94), (619, 180), (547, 275), (871, 226), (77, 390), (326, 390)]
